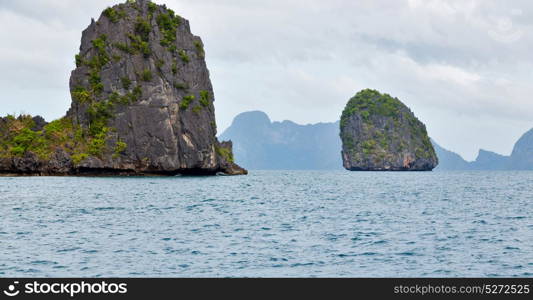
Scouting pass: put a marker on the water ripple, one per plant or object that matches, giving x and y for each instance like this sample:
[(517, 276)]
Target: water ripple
[(273, 224)]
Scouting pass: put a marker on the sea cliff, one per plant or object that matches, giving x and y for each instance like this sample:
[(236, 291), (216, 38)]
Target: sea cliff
[(142, 104)]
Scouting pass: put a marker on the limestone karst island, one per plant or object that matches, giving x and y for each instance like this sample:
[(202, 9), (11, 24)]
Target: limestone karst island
[(142, 104), (380, 133)]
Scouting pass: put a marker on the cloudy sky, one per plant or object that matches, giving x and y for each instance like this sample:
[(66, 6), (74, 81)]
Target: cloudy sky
[(464, 67)]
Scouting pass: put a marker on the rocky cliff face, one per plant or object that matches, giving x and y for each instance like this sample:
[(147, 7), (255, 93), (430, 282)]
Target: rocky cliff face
[(142, 103), (380, 133)]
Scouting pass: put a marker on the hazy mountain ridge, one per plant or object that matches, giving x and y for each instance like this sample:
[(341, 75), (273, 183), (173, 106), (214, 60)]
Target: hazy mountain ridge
[(449, 160), (486, 160), (520, 159), (260, 143)]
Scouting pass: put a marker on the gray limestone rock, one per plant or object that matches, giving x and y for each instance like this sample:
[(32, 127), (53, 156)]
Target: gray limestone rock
[(142, 101), (380, 133)]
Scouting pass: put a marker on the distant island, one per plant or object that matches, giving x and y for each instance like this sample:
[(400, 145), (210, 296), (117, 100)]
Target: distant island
[(380, 133), (142, 104), (521, 157), (261, 144)]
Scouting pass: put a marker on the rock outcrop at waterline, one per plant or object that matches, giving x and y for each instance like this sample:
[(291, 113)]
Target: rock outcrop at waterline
[(142, 103), (380, 133)]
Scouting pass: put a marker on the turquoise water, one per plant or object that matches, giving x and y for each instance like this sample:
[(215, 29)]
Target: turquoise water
[(269, 224)]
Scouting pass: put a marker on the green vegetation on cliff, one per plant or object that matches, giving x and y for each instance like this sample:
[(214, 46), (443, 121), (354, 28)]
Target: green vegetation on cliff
[(370, 102), (168, 23), (114, 15), (186, 101), (204, 98), (18, 135), (199, 48), (225, 153), (184, 57)]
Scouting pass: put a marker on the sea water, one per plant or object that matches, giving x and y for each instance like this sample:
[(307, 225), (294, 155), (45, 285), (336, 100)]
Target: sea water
[(269, 224)]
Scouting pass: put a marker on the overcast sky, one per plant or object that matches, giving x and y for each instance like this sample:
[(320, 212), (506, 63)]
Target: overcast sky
[(464, 67)]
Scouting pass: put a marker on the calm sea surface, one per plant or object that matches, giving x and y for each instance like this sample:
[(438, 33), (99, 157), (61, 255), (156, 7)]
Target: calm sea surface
[(269, 224)]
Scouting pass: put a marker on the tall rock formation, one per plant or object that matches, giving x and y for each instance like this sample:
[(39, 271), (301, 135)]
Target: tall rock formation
[(380, 133), (142, 101)]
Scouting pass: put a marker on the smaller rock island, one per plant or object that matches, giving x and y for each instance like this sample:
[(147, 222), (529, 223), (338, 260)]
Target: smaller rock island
[(380, 133)]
